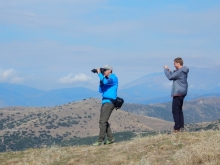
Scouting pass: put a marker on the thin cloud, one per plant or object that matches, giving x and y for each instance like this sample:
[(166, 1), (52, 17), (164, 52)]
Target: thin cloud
[(17, 80), (74, 78), (26, 13), (10, 76)]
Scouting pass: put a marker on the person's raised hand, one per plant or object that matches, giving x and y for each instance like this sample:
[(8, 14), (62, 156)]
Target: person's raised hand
[(166, 67)]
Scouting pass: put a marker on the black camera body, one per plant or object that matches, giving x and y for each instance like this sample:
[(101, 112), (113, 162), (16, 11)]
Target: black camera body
[(102, 70)]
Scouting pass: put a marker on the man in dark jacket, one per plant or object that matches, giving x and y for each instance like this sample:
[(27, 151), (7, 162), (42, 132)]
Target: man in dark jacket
[(179, 91)]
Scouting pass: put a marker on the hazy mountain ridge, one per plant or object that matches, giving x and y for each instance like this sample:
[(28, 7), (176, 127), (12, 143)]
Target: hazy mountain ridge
[(151, 88), (198, 110), (19, 95), (156, 88)]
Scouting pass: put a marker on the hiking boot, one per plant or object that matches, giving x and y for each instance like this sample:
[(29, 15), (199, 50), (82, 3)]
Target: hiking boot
[(97, 143), (176, 130), (109, 141)]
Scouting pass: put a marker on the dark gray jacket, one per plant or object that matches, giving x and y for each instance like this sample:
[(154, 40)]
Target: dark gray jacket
[(179, 77)]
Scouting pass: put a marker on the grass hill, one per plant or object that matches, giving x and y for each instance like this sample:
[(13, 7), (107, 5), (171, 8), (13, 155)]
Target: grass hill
[(187, 148), (198, 110), (30, 127)]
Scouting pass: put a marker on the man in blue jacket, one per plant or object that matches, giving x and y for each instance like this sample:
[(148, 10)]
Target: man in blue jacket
[(108, 87), (179, 91)]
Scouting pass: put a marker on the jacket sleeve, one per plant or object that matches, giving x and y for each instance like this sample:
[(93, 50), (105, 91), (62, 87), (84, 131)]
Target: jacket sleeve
[(172, 75), (100, 89), (105, 81)]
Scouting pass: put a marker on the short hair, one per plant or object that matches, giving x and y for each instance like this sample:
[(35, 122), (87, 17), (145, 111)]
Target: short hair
[(179, 60)]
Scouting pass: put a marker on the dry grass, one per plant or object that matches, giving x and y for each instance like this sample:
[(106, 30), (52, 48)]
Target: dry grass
[(180, 148)]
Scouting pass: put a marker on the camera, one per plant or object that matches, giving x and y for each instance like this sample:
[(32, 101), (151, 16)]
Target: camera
[(102, 70)]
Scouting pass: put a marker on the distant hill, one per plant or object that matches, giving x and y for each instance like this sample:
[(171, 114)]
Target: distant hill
[(28, 127), (156, 88), (19, 95), (198, 110)]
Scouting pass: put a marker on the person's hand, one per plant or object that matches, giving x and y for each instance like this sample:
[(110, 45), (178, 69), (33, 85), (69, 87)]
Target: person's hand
[(166, 67), (98, 71)]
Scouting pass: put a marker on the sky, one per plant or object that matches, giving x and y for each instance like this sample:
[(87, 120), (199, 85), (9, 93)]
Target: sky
[(54, 44)]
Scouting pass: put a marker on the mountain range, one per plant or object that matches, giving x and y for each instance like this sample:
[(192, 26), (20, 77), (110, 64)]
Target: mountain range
[(156, 88), (151, 88), (19, 95)]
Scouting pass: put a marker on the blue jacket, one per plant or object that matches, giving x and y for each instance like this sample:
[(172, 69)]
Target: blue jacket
[(179, 77), (108, 87)]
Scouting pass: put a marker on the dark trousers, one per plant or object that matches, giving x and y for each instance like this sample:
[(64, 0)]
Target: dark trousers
[(177, 111), (104, 126)]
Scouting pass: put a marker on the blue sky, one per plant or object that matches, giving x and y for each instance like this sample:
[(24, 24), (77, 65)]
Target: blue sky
[(55, 44)]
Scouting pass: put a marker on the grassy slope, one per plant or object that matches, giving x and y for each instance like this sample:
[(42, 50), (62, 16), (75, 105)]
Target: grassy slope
[(180, 148)]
